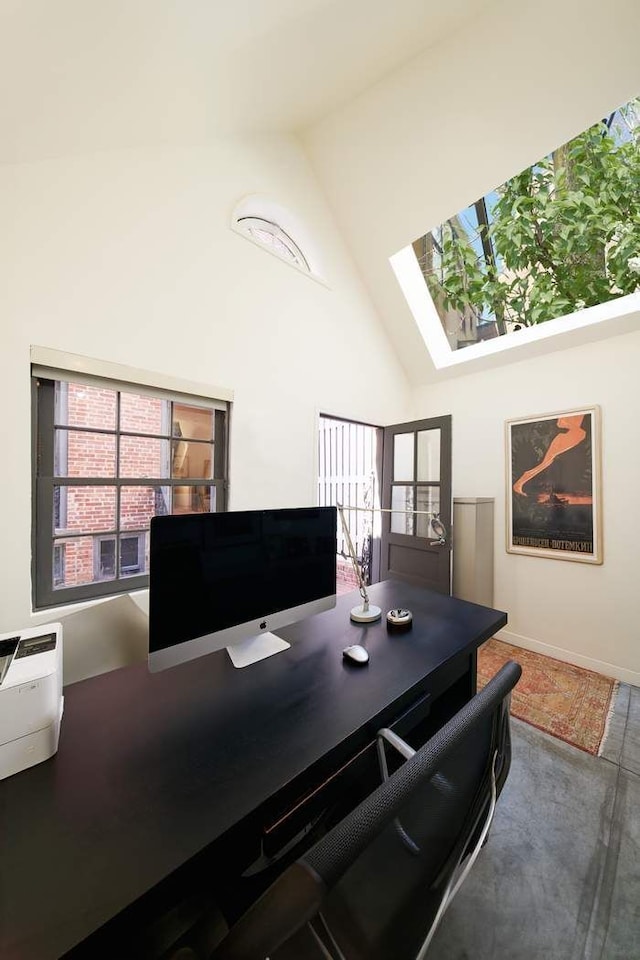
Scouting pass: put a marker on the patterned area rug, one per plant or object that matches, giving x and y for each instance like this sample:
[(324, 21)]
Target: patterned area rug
[(564, 700)]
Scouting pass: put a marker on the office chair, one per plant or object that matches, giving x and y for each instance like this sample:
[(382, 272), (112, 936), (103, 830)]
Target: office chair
[(378, 883)]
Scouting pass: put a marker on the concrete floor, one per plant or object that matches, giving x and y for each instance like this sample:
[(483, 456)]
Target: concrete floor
[(559, 878)]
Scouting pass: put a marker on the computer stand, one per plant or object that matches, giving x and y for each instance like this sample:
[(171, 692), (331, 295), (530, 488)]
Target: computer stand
[(250, 651)]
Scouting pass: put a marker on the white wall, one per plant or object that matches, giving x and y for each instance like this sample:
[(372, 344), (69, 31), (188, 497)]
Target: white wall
[(584, 613), (127, 256), (511, 85), (416, 148)]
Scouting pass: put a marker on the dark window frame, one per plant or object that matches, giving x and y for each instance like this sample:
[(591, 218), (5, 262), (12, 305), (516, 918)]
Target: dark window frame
[(140, 539), (98, 543), (45, 574), (101, 539)]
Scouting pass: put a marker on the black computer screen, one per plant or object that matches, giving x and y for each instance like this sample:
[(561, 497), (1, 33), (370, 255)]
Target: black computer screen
[(212, 571)]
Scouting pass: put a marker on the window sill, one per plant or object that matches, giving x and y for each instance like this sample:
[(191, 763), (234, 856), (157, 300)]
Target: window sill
[(138, 597)]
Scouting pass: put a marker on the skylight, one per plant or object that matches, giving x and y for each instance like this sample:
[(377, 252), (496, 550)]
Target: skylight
[(557, 239)]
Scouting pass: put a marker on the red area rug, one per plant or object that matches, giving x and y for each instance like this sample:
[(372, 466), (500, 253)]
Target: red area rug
[(564, 700)]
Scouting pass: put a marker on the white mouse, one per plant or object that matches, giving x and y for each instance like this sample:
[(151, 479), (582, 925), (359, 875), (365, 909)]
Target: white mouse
[(356, 654)]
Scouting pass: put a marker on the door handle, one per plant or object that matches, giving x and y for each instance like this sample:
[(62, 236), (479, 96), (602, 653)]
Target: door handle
[(440, 530)]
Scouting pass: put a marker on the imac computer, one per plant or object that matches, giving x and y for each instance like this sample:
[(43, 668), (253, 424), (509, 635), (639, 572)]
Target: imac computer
[(227, 579)]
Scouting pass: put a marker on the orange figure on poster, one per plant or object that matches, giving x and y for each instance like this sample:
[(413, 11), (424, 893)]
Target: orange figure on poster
[(573, 434)]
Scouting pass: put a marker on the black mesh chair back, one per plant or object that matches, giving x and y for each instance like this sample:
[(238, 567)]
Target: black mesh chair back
[(378, 883)]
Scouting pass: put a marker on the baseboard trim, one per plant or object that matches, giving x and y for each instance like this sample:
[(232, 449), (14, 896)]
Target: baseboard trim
[(569, 656)]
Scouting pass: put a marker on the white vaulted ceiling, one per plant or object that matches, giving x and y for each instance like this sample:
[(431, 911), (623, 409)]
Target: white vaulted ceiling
[(81, 75), (407, 110)]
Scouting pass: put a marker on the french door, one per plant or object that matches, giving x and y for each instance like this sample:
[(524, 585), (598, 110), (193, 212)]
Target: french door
[(416, 488)]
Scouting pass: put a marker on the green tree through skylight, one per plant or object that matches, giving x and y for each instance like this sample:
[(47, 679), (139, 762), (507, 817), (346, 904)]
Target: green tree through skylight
[(562, 235)]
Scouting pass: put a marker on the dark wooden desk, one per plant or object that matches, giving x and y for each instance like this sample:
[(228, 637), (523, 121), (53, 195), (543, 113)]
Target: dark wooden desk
[(154, 769)]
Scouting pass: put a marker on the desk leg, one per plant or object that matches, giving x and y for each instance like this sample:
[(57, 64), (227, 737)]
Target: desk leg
[(473, 671)]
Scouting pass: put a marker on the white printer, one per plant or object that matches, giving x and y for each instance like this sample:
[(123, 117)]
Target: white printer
[(31, 700)]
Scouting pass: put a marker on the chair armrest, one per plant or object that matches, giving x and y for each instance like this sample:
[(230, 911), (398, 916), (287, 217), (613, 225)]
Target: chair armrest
[(392, 738), (388, 736)]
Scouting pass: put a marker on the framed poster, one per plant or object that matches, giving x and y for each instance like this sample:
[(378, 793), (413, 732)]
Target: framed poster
[(553, 486)]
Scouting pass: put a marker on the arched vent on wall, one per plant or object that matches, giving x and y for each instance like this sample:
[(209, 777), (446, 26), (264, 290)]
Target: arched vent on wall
[(271, 235), (274, 228)]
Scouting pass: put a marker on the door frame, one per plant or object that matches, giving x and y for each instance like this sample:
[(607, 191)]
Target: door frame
[(374, 566)]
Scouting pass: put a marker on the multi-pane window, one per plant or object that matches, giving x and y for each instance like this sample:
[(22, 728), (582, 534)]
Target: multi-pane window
[(107, 461), (415, 487), (132, 556)]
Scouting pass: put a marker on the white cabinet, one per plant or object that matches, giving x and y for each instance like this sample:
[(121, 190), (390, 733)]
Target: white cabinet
[(473, 549)]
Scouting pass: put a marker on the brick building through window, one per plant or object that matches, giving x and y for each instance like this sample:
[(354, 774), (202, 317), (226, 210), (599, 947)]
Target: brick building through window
[(108, 460)]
